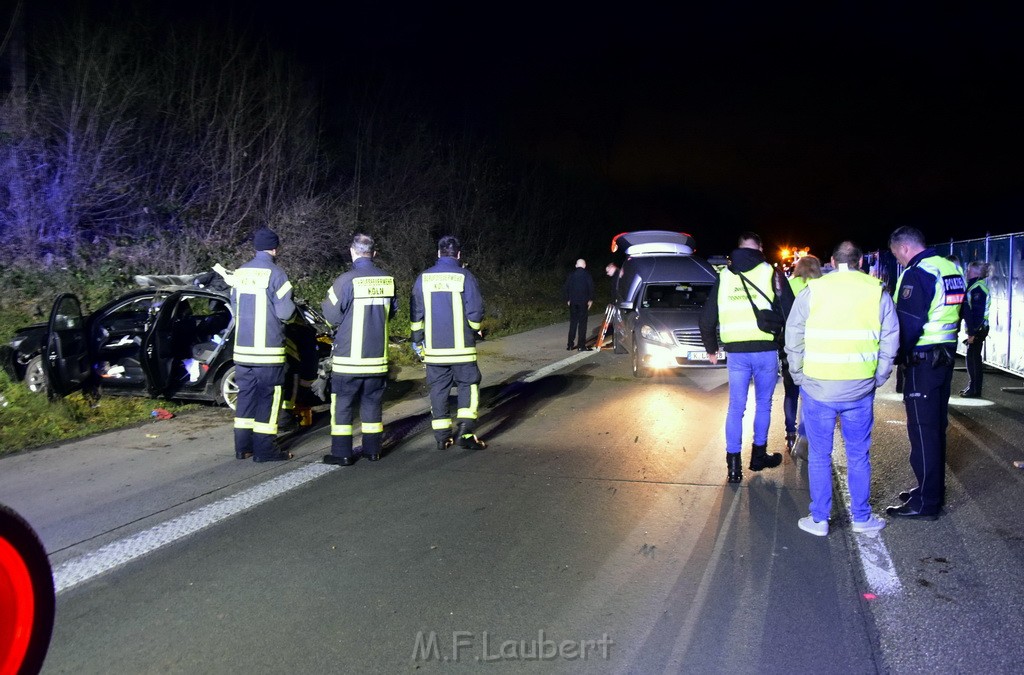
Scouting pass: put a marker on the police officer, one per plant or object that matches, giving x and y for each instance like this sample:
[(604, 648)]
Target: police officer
[(928, 296), (360, 303), (753, 353), (975, 315), (446, 311), (261, 298)]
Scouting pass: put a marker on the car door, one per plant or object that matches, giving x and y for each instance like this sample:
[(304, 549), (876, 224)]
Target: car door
[(66, 357), (158, 347)]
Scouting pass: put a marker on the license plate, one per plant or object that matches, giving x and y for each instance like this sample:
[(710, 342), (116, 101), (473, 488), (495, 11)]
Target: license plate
[(703, 356)]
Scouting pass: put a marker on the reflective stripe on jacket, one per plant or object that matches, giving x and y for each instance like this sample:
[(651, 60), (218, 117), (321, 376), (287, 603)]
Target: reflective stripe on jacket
[(446, 311), (360, 303), (944, 313), (843, 327), (261, 297), (982, 286), (735, 316)]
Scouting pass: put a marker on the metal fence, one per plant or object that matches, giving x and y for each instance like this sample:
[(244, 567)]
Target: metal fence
[(1004, 347)]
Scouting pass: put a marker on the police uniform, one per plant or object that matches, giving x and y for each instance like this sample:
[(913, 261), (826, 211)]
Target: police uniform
[(261, 298), (928, 295), (446, 310), (976, 307), (360, 303)]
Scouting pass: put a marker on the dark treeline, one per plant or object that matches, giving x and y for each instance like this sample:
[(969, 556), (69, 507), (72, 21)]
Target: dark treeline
[(151, 145)]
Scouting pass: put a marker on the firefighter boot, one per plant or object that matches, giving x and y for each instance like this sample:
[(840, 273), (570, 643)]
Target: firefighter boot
[(760, 459), (467, 439), (735, 464)]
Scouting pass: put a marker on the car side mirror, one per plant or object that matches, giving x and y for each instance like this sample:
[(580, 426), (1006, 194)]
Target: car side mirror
[(625, 305)]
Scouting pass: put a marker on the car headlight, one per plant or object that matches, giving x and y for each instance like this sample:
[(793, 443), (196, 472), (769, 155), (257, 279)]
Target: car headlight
[(648, 333)]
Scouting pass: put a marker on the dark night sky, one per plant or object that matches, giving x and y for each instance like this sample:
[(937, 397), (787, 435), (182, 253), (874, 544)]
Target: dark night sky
[(836, 120)]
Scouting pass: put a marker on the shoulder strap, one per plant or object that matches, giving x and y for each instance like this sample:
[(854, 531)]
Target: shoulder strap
[(747, 281)]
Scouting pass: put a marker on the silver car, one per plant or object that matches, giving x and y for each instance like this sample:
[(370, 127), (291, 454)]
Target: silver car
[(659, 296)]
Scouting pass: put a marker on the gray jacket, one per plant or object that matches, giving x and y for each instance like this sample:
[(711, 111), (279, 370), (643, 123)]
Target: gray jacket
[(840, 390)]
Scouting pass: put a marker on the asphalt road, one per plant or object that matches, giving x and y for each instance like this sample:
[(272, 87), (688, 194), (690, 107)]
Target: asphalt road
[(596, 533)]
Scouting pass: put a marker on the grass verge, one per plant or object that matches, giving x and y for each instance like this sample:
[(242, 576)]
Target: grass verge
[(517, 300)]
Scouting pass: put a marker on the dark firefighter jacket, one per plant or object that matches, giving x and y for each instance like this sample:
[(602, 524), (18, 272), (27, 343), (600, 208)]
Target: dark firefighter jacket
[(360, 303), (261, 297), (446, 310)]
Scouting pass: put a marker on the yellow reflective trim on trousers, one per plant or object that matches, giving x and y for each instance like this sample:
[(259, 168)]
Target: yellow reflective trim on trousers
[(244, 422), (283, 291), (474, 404), (441, 424), (373, 427), (341, 429), (416, 325), (270, 428)]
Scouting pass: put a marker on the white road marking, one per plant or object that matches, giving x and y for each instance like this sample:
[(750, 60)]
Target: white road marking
[(879, 570), (90, 565), (77, 571)]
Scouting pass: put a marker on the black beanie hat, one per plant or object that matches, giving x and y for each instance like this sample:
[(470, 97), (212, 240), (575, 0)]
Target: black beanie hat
[(265, 239)]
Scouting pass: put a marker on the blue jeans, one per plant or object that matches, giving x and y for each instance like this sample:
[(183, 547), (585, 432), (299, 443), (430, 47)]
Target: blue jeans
[(763, 368), (856, 420)]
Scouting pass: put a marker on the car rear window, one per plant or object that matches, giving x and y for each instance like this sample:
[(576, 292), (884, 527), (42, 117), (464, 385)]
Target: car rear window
[(675, 296)]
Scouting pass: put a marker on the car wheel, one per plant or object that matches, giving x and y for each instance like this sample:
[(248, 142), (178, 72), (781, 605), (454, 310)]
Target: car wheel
[(26, 596), (227, 389), (639, 369), (35, 376)]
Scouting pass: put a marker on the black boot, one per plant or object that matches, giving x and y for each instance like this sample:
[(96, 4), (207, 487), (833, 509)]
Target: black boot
[(735, 463), (760, 459), (790, 440)]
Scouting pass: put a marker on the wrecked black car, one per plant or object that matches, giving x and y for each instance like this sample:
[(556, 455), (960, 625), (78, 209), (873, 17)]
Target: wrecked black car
[(171, 338)]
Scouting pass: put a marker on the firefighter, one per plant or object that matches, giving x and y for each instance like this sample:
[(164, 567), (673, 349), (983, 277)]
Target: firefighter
[(446, 311), (360, 304), (261, 298), (928, 296)]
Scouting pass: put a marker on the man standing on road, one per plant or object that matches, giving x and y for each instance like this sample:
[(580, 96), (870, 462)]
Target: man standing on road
[(753, 353), (445, 312), (578, 293), (975, 314), (928, 296), (841, 339), (261, 299), (360, 303)]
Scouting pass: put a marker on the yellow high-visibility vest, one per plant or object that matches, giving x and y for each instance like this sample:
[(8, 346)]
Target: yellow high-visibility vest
[(843, 327)]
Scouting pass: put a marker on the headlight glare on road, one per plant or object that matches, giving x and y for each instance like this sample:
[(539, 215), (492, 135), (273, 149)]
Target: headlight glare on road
[(648, 333)]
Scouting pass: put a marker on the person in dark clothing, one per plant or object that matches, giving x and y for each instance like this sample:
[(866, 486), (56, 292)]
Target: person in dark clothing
[(360, 303), (446, 312), (975, 315), (928, 296), (578, 293), (753, 353)]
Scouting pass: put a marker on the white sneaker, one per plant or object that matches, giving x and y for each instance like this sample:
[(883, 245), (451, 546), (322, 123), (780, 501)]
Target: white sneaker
[(809, 524), (872, 524)]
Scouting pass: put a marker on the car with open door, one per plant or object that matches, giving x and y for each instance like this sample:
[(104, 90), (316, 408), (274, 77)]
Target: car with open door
[(171, 338)]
